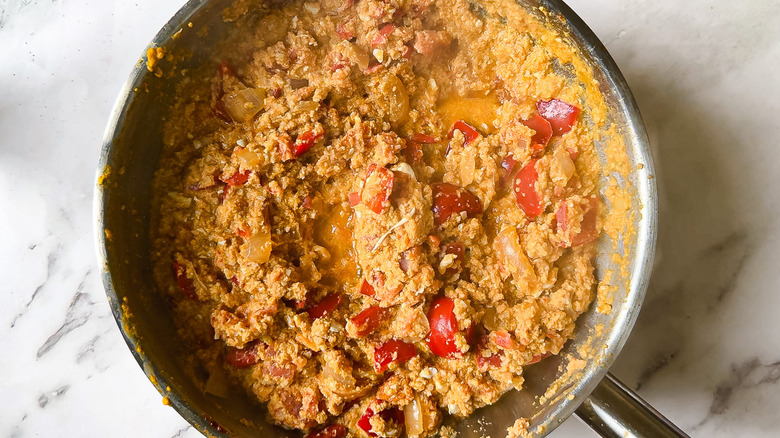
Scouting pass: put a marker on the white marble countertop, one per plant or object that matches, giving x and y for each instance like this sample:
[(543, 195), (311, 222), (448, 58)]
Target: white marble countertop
[(705, 350)]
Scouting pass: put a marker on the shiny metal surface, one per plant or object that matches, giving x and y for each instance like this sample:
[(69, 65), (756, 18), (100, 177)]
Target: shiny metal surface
[(614, 411), (131, 150)]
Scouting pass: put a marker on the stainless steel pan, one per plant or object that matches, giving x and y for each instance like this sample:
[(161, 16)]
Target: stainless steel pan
[(128, 160)]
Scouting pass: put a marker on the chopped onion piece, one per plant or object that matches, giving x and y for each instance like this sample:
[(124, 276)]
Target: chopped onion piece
[(513, 258), (242, 106), (248, 158), (413, 418), (405, 168), (217, 383), (566, 166), (258, 247)]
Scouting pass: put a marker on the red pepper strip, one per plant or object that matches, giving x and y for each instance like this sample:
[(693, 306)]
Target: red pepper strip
[(525, 190), (449, 199), (185, 284), (242, 357), (305, 141), (468, 131), (543, 134), (560, 114), (366, 288), (237, 179), (325, 306), (392, 351), (369, 319), (424, 138)]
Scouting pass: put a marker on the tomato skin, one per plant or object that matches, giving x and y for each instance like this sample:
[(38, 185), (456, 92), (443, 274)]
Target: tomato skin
[(185, 284), (444, 327), (377, 188), (305, 141), (449, 199), (469, 133), (325, 306), (542, 136), (392, 351), (369, 319), (332, 431), (560, 114), (237, 179), (241, 358), (525, 190)]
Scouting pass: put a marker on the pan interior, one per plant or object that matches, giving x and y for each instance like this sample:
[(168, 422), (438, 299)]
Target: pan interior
[(132, 148)]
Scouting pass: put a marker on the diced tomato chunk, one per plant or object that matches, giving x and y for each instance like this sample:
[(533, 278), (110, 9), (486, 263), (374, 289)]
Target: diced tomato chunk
[(377, 188), (449, 199), (390, 414), (392, 351), (588, 232), (482, 345), (373, 68), (469, 133), (542, 136), (343, 31), (444, 327), (325, 306), (242, 357), (332, 431), (237, 179), (366, 288), (185, 284), (413, 152), (525, 190), (560, 114), (424, 138), (539, 357), (369, 319), (383, 34), (354, 198), (493, 360), (305, 141), (503, 339)]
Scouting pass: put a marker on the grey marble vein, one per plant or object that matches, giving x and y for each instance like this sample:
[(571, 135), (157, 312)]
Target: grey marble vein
[(51, 261), (743, 376), (77, 315)]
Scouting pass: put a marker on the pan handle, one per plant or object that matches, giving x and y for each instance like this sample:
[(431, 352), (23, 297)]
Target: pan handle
[(614, 411)]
